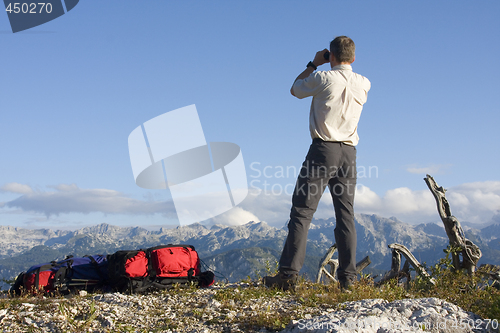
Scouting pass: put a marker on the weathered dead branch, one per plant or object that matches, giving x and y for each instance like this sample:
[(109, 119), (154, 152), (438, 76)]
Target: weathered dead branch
[(334, 264), (397, 273), (470, 252)]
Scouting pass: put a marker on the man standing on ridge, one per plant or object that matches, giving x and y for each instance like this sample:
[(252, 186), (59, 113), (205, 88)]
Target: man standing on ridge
[(338, 98)]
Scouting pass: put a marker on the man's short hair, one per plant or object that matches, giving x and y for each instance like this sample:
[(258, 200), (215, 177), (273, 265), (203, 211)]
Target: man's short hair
[(343, 49)]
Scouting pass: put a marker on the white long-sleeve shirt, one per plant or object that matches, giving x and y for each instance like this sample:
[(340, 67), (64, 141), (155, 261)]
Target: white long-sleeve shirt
[(338, 98)]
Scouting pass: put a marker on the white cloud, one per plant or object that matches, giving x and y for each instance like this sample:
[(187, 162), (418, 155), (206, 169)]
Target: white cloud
[(69, 198), (16, 188), (404, 203), (431, 169), (271, 208), (475, 202), (235, 216), (472, 202), (367, 199), (409, 206)]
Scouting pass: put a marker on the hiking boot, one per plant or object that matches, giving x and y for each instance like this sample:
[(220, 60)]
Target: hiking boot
[(281, 281), (346, 286)]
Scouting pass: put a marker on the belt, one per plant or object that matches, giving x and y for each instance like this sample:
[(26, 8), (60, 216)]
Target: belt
[(318, 140)]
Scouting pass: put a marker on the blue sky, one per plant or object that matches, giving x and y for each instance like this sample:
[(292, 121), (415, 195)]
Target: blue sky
[(74, 88)]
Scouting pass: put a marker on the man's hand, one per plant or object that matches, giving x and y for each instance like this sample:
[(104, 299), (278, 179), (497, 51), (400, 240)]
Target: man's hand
[(319, 59)]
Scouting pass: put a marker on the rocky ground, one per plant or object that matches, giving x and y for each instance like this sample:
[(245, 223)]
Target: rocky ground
[(219, 309)]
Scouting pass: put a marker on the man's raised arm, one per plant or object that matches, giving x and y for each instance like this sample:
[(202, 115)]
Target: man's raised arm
[(319, 59)]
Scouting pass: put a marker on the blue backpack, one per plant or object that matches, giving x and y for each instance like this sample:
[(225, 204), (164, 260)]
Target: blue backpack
[(83, 273)]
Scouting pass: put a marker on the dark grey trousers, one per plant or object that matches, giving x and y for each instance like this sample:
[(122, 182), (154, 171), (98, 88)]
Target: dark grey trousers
[(331, 164)]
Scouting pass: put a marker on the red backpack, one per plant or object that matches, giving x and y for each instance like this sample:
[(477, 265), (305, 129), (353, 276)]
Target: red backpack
[(158, 267)]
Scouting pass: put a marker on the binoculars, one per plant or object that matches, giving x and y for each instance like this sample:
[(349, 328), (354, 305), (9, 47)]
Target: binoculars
[(327, 55)]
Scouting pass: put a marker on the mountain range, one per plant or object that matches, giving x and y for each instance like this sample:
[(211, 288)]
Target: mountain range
[(236, 252)]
